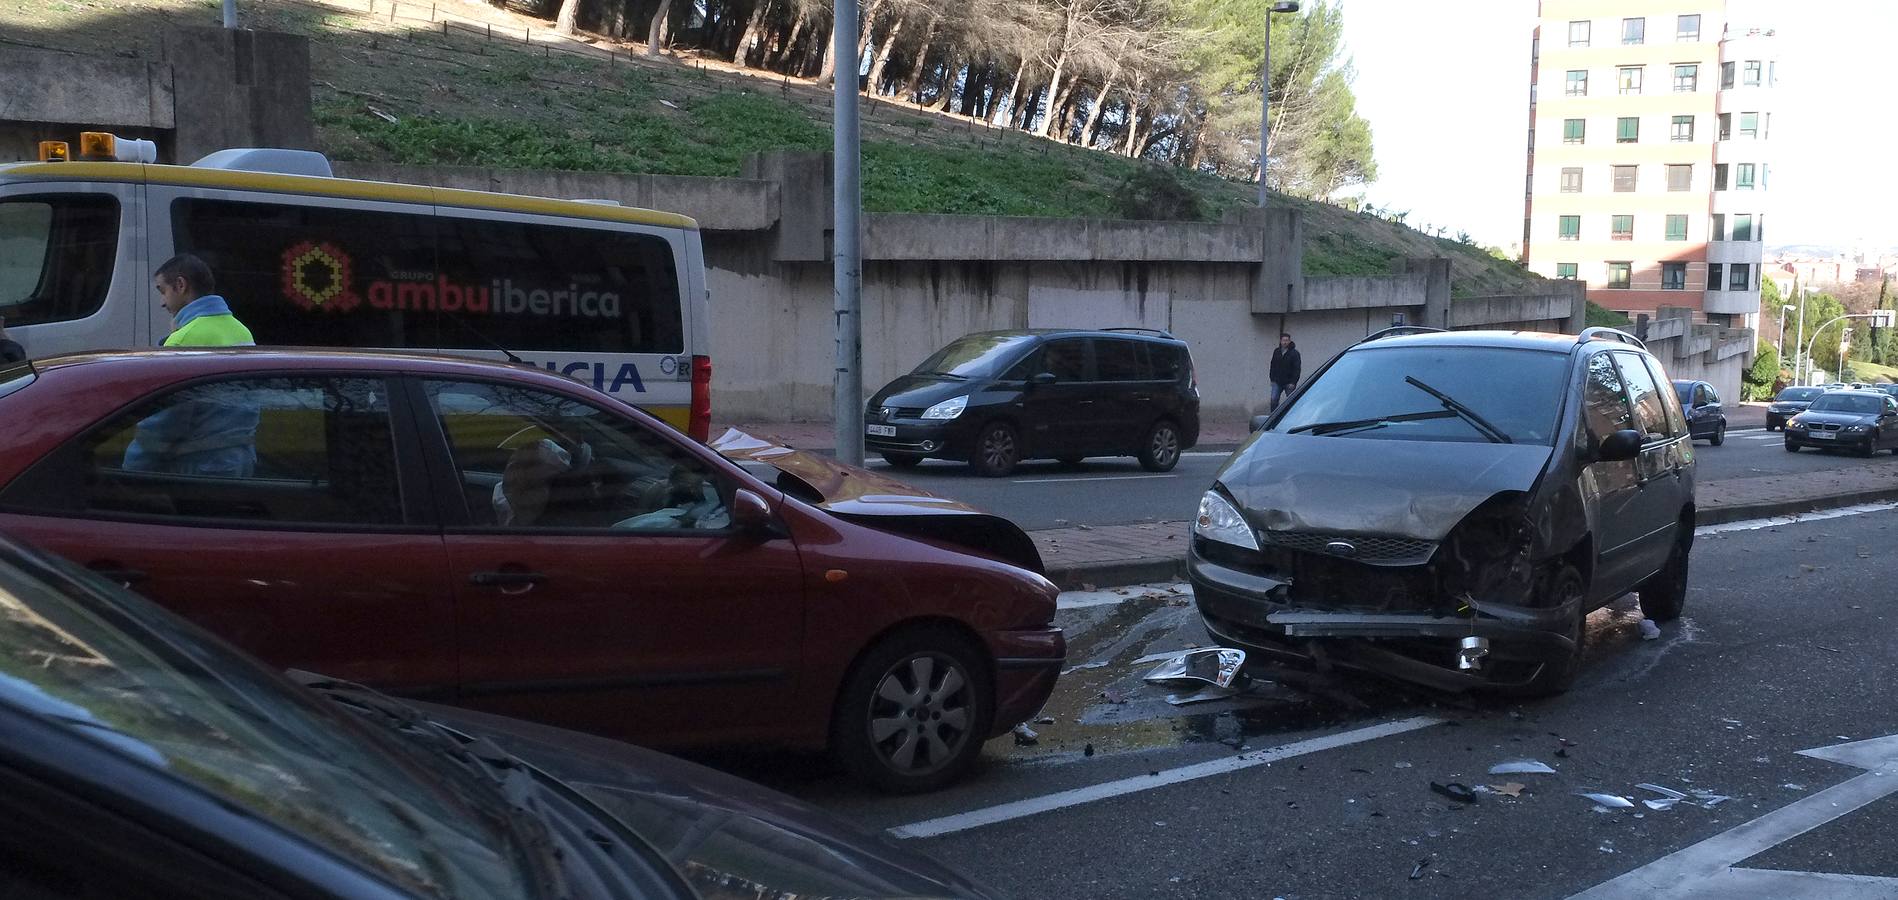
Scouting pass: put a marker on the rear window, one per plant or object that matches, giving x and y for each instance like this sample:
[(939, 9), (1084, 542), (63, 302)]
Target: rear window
[(1518, 391), (328, 277), (56, 256)]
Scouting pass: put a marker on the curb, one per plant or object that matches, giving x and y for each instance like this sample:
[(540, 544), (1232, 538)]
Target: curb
[(1151, 569)]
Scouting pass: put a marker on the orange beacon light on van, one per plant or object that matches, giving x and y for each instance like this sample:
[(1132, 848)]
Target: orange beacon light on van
[(54, 151), (105, 146)]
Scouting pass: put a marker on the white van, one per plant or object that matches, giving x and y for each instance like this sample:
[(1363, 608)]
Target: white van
[(612, 296)]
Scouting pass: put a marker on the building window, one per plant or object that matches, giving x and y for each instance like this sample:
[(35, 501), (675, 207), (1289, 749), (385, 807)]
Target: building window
[(1572, 180), (1726, 126), (1578, 34), (1628, 130), (1680, 177), (1624, 178), (1574, 131), (1719, 232), (1749, 125), (1577, 85), (1739, 277), (1673, 276), (1713, 276), (1743, 177), (1686, 79), (1720, 176), (1565, 271), (1621, 228), (1750, 76), (1726, 76), (1628, 79), (1677, 228), (1683, 129), (1634, 31), (1743, 227), (1619, 273), (1687, 28), (1569, 228)]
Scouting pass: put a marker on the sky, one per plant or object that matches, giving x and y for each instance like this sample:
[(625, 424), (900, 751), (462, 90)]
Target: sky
[(1447, 96)]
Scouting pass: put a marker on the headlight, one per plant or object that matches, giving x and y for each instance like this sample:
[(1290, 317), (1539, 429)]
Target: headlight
[(1218, 521), (947, 409), (1858, 428)]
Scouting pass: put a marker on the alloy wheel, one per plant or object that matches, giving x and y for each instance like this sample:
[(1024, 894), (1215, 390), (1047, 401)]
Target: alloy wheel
[(922, 714)]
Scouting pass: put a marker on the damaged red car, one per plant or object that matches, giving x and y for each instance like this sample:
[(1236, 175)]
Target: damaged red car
[(504, 539), (1447, 507)]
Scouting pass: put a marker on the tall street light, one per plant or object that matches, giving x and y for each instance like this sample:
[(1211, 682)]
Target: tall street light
[(1780, 345), (230, 13), (847, 253), (1265, 110)]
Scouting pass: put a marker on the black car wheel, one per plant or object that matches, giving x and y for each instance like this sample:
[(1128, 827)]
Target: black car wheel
[(1719, 435), (902, 460), (1791, 447), (997, 450), (1664, 593), (1557, 675), (1161, 451), (914, 711), (1871, 446)]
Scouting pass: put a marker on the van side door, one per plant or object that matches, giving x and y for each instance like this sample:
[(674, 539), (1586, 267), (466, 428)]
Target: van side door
[(1614, 485), (73, 268)]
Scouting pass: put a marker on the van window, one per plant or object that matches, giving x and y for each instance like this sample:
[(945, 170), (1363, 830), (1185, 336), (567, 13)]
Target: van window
[(56, 256), (1116, 360)]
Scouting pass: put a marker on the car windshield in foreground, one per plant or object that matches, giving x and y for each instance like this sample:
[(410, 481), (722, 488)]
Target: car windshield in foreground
[(1798, 395), (128, 677), (974, 355), (1484, 394), (1848, 403)]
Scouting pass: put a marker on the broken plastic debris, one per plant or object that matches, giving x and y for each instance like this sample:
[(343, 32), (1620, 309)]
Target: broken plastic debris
[(1793, 787), (1708, 798), (1400, 765), (1609, 801), (1458, 792), (1507, 789), (1202, 695), (1649, 630), (1025, 736), (1418, 872), (1216, 666), (1045, 720), (1521, 767), (1669, 793)]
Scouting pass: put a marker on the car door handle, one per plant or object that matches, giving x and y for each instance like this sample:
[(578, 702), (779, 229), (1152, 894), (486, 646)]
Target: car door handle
[(507, 579), (127, 577)]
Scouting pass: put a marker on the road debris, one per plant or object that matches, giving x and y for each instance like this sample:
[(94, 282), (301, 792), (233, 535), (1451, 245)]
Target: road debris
[(1025, 736), (1418, 872), (1521, 767), (1708, 798), (1400, 765), (1455, 791), (1606, 802), (1793, 787), (1669, 797), (1508, 788), (1215, 666), (1649, 630), (1045, 720), (1202, 695)]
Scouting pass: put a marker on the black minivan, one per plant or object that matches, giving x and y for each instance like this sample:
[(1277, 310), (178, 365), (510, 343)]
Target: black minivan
[(995, 398)]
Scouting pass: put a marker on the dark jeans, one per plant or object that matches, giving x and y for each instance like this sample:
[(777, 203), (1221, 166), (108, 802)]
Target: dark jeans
[(1280, 390)]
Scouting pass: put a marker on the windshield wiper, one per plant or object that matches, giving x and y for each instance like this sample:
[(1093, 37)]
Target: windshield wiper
[(1379, 422), (944, 375), (1495, 435)]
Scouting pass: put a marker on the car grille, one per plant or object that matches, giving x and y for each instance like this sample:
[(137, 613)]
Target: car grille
[(1321, 581), (1374, 550), (1823, 426), (884, 413)]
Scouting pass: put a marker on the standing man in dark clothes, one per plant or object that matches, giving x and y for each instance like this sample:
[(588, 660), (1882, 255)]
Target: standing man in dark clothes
[(1285, 368)]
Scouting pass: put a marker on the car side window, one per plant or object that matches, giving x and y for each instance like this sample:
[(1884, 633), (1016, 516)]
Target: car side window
[(1670, 400), (1027, 368), (1067, 359), (1650, 408), (1605, 400), (286, 451), (528, 459), (1120, 360), (1712, 397)]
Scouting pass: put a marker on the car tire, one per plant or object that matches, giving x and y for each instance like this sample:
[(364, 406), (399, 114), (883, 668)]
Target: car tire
[(903, 460), (1558, 675), (1160, 452), (997, 450), (1719, 435), (1791, 447), (1665, 592), (914, 711)]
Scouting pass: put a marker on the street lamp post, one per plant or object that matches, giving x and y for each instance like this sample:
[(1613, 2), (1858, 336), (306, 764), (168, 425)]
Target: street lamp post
[(230, 13), (847, 253), (1799, 340), (1779, 344), (1265, 109)]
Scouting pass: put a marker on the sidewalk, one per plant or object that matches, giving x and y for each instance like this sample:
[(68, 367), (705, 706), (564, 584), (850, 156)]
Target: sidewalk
[(1102, 556)]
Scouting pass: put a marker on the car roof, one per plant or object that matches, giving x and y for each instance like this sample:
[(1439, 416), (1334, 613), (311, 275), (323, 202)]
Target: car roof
[(1154, 335), (175, 363), (1866, 392), (1511, 340)]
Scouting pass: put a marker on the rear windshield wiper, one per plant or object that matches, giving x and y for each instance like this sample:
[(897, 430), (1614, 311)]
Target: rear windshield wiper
[(1495, 435), (1379, 422)]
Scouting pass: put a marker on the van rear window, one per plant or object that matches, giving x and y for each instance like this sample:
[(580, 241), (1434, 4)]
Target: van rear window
[(329, 277), (56, 256)]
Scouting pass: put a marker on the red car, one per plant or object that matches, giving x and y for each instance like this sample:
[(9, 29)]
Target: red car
[(500, 538)]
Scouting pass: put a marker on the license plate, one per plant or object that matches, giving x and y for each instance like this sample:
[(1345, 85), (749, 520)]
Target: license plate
[(1823, 435), (880, 430)]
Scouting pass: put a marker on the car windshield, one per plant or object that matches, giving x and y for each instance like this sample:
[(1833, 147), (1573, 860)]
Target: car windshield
[(1517, 391), (1848, 403), (116, 671), (975, 355), (1798, 394)]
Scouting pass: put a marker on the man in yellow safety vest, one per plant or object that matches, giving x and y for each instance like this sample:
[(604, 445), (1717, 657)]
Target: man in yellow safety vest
[(199, 318), (205, 430)]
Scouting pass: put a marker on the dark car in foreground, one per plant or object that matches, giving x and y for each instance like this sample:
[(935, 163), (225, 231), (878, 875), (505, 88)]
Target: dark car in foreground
[(1862, 421), (1701, 404), (1790, 402), (996, 398), (142, 757), (1447, 507), (502, 538)]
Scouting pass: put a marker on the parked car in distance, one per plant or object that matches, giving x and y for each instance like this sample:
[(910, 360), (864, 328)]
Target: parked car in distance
[(1447, 507), (1888, 387), (512, 541), (996, 398), (1863, 421), (142, 757), (1701, 403), (1790, 402)]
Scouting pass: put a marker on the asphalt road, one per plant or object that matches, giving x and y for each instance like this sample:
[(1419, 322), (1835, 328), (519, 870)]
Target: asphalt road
[(1325, 790), (1116, 491)]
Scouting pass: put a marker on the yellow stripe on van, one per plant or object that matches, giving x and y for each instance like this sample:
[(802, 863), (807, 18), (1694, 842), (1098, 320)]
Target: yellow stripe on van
[(679, 417), (346, 188)]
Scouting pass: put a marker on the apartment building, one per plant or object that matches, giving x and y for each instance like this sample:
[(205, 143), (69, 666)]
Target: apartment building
[(1649, 124)]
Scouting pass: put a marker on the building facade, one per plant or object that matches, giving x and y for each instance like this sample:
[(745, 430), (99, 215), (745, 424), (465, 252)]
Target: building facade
[(1649, 123)]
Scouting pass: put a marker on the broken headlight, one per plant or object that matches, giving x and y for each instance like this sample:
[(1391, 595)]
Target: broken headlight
[(1219, 521)]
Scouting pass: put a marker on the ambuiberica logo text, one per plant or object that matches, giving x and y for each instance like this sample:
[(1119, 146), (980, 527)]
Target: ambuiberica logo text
[(319, 276)]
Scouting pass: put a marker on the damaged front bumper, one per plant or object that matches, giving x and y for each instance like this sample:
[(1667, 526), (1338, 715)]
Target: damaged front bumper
[(1255, 611)]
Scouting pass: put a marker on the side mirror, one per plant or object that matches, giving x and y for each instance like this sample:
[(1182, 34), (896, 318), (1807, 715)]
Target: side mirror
[(1258, 422), (750, 513), (1042, 378), (1622, 445)]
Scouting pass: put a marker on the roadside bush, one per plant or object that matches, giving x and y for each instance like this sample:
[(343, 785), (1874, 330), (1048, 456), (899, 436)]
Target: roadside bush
[(1756, 383)]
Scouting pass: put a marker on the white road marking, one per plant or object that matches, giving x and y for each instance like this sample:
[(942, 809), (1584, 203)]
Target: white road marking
[(1085, 599), (1796, 518), (1706, 870), (1088, 478), (1061, 800)]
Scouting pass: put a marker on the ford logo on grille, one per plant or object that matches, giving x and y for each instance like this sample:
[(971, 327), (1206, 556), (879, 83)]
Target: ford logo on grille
[(1341, 548)]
